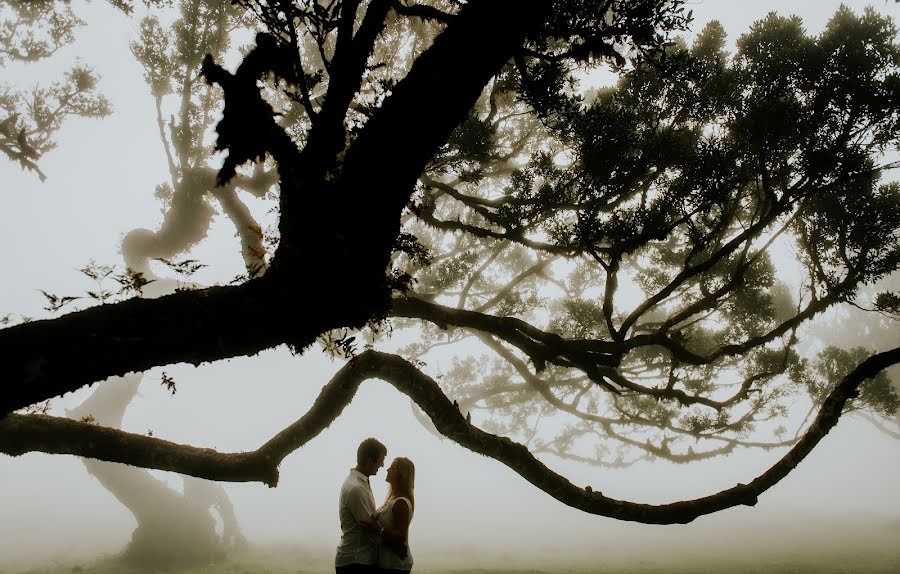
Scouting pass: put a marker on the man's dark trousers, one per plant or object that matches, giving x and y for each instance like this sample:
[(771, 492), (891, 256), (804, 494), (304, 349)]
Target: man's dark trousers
[(356, 569)]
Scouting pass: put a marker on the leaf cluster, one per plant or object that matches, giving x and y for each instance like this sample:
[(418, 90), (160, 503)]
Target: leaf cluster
[(668, 194)]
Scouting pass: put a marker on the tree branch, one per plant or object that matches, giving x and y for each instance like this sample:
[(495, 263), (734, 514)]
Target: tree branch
[(56, 435), (43, 359), (422, 11), (448, 420)]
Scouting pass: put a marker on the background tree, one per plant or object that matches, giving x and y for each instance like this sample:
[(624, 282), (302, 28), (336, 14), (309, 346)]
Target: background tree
[(30, 31), (172, 527), (175, 527), (171, 56), (678, 182)]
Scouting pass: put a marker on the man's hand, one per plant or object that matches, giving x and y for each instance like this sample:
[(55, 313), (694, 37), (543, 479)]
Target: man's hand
[(369, 526)]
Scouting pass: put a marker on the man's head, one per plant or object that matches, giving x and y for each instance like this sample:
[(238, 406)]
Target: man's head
[(370, 456)]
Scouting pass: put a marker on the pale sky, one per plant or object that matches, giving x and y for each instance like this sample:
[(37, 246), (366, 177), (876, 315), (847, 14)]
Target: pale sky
[(100, 185)]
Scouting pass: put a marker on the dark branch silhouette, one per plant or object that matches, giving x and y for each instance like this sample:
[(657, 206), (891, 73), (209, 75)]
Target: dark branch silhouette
[(26, 433), (620, 240)]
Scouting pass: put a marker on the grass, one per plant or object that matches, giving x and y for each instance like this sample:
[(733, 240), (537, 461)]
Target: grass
[(296, 560)]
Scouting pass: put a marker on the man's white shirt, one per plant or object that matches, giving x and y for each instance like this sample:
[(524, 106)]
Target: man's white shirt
[(356, 504)]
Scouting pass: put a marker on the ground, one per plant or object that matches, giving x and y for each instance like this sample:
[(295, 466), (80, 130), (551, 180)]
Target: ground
[(300, 560)]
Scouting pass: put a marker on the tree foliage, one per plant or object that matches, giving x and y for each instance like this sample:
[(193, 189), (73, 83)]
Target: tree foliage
[(30, 31), (607, 265), (667, 196)]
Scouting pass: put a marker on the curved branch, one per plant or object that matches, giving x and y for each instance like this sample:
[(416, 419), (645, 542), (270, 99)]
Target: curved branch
[(694, 270), (253, 249), (537, 268), (540, 346), (450, 422), (597, 358), (427, 217), (894, 434)]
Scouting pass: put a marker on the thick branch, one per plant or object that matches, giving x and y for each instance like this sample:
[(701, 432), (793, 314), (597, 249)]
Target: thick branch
[(46, 358), (542, 347), (56, 435), (450, 422)]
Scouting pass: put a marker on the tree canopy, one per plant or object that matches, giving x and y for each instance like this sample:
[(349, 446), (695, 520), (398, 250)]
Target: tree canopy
[(607, 265), (31, 31)]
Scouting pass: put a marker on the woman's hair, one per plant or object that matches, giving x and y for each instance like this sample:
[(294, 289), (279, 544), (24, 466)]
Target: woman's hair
[(406, 478)]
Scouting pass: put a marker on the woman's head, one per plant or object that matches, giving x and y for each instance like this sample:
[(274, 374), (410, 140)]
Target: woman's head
[(401, 475)]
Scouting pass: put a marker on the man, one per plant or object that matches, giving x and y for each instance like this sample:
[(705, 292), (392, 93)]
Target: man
[(357, 552)]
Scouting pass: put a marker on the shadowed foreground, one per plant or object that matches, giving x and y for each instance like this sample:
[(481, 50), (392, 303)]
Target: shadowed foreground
[(873, 556)]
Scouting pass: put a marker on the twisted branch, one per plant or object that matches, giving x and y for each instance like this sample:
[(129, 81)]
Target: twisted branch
[(25, 433)]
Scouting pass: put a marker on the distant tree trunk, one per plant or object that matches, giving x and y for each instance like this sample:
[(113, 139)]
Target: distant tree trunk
[(172, 528)]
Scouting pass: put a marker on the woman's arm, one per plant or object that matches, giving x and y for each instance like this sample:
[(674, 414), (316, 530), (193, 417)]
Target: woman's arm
[(395, 536)]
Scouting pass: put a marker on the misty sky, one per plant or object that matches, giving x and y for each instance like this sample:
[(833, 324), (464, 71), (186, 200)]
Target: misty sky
[(100, 186)]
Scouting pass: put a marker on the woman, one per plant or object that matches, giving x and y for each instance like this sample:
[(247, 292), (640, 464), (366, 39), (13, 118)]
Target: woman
[(394, 517)]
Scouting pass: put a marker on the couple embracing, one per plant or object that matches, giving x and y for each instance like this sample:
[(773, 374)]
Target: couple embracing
[(373, 540)]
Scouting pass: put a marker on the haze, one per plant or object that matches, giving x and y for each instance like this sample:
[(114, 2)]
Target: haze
[(839, 509)]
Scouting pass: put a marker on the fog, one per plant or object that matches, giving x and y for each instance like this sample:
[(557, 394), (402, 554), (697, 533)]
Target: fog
[(840, 506)]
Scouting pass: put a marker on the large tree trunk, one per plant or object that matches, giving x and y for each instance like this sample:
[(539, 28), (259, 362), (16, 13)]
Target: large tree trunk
[(172, 528)]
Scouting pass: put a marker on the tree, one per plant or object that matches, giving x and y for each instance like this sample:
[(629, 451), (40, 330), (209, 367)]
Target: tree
[(427, 182), (31, 31), (172, 527)]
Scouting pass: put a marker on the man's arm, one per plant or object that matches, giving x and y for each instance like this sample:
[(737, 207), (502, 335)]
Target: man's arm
[(362, 506)]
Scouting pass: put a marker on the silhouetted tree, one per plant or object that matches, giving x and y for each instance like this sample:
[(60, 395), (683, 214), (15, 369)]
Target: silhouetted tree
[(679, 183), (30, 31), (620, 242), (172, 527)]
